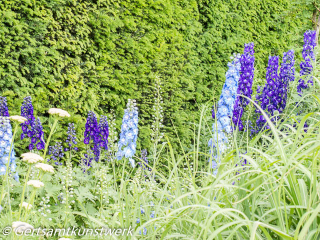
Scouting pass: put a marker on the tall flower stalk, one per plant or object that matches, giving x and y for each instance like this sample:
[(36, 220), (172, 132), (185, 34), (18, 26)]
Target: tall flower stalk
[(129, 133), (157, 125), (245, 84), (309, 57), (32, 128), (92, 133), (223, 113)]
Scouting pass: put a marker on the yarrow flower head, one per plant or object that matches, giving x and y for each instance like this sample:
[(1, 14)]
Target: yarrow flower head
[(309, 57), (35, 183), (245, 84), (129, 133), (5, 145), (31, 128), (31, 157), (21, 227), (224, 111), (26, 205), (45, 167), (59, 112)]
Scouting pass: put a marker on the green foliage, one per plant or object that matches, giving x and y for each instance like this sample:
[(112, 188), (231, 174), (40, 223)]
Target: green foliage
[(94, 55)]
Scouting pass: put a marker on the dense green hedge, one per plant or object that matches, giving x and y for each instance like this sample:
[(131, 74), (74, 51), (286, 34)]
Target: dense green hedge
[(94, 55)]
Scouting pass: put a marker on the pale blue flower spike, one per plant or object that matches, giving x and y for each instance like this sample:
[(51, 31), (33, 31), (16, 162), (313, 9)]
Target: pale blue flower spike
[(224, 113), (5, 144)]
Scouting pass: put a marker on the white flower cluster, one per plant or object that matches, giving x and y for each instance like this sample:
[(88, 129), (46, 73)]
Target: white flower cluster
[(31, 157), (59, 112), (44, 209), (35, 183)]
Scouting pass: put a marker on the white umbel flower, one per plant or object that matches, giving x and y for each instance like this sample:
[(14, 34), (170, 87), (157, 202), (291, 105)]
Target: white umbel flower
[(35, 183), (26, 205), (21, 227), (45, 167), (31, 157), (58, 111), (18, 118)]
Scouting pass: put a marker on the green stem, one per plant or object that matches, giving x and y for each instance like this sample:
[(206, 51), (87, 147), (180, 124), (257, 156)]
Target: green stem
[(48, 141), (24, 189)]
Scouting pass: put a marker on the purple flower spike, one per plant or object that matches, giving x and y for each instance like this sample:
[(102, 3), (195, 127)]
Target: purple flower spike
[(308, 56), (3, 107), (104, 131), (92, 133), (245, 84)]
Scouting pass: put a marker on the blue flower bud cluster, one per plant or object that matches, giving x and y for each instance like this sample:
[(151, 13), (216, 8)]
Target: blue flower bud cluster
[(5, 144), (245, 84), (98, 133), (269, 98), (71, 138), (144, 162), (56, 153), (3, 107), (309, 58), (31, 128), (225, 110), (129, 133)]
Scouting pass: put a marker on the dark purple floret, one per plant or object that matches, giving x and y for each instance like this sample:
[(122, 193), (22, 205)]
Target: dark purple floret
[(27, 112), (3, 107), (38, 134), (245, 84)]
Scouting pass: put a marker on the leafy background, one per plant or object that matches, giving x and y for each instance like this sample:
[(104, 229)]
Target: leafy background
[(94, 55)]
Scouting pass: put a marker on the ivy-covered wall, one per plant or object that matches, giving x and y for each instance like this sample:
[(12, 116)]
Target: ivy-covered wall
[(83, 55)]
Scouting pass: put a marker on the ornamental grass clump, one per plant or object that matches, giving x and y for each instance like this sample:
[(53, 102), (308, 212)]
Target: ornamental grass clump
[(309, 58), (222, 126), (244, 85), (129, 133)]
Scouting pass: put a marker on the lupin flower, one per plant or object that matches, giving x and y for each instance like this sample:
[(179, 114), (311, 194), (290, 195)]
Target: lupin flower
[(309, 58), (71, 138), (5, 144), (56, 153), (129, 133), (31, 128), (224, 111), (92, 133), (245, 84)]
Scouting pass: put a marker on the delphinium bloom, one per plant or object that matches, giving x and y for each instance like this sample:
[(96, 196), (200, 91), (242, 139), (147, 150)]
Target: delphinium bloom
[(144, 161), (224, 112), (31, 128), (71, 138), (3, 107), (286, 75), (274, 95), (269, 98), (92, 132), (244, 85), (5, 144), (129, 133), (104, 132), (309, 58), (56, 153)]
